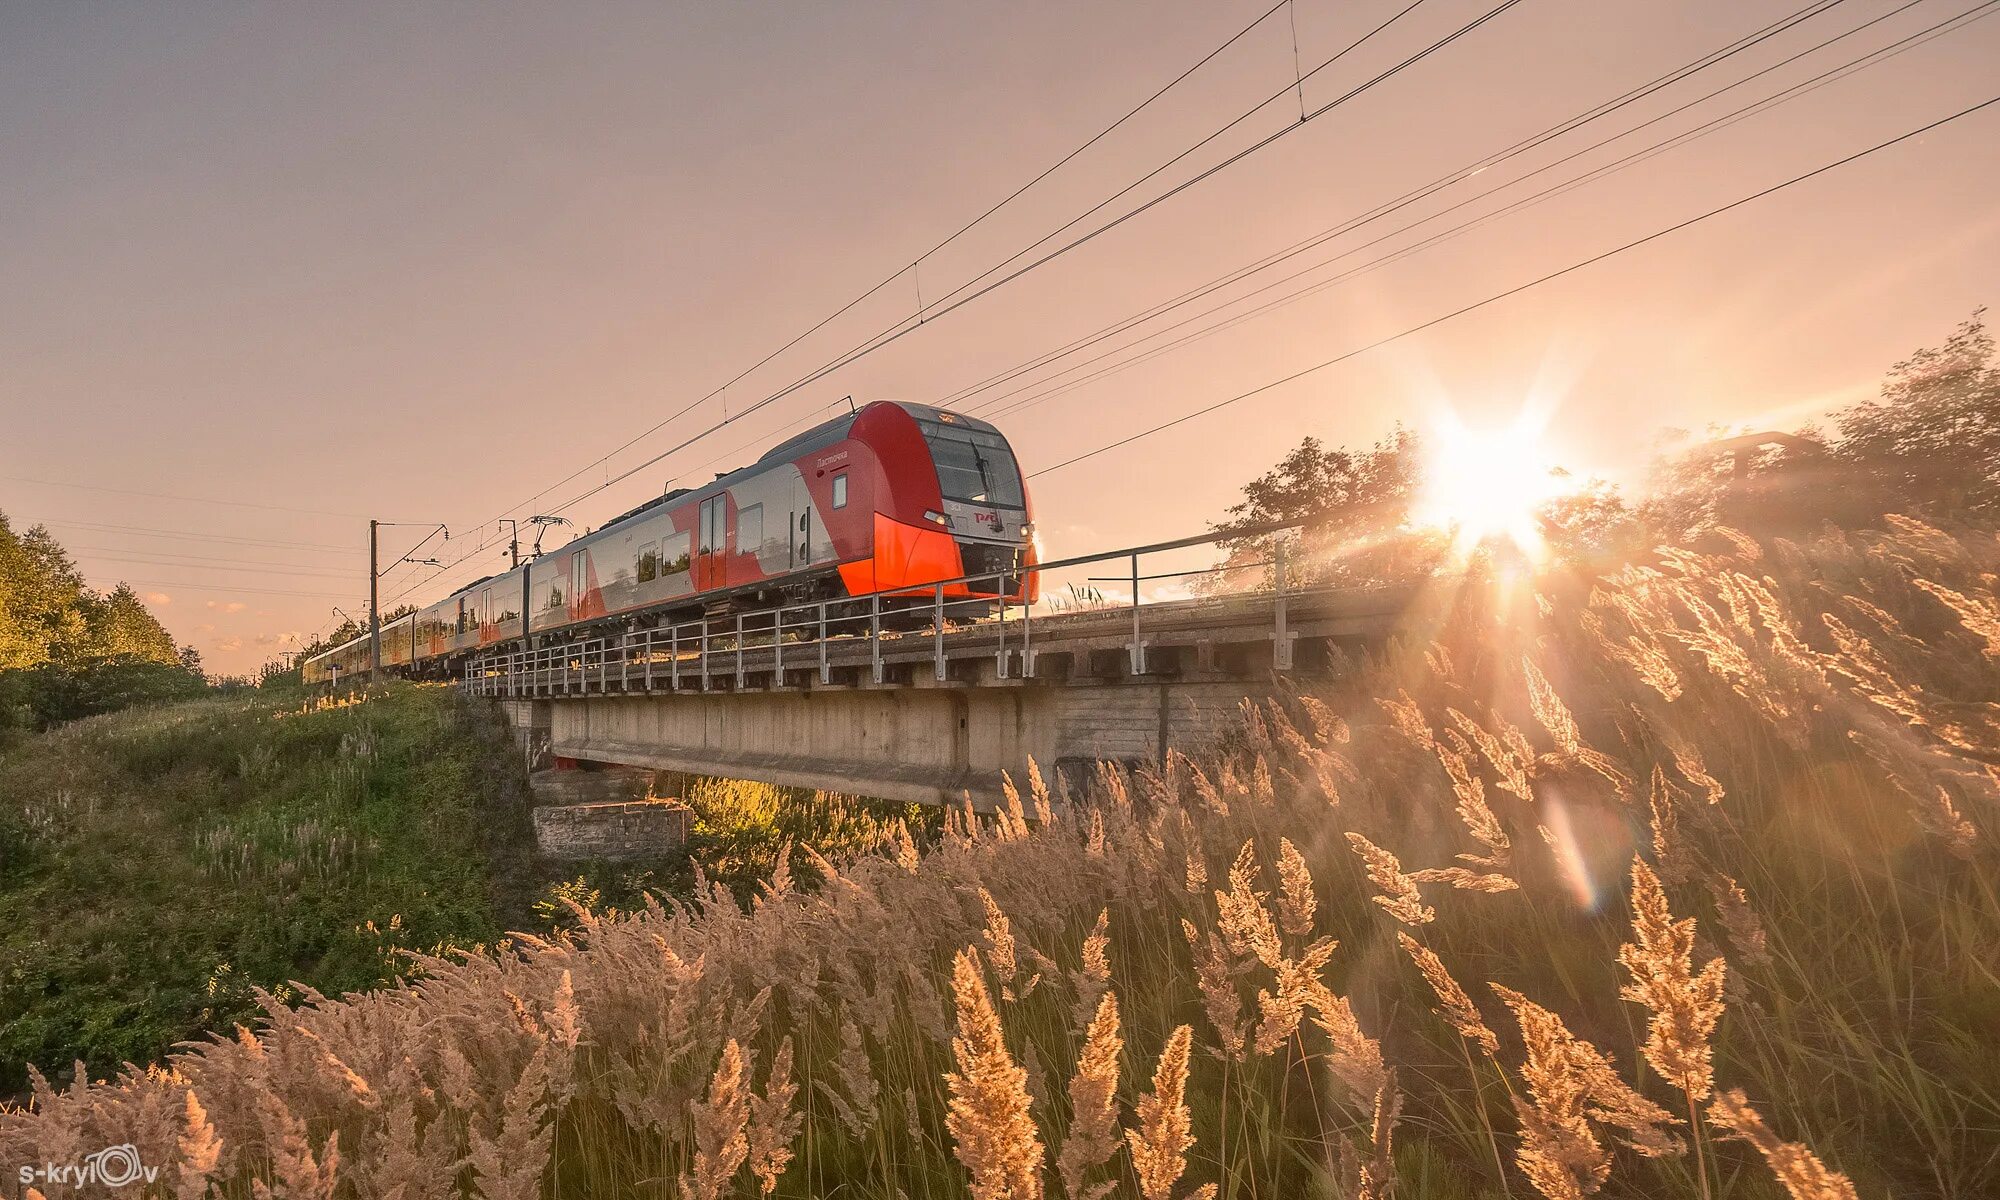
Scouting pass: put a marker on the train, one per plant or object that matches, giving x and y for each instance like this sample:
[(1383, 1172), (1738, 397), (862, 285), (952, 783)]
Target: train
[(881, 503)]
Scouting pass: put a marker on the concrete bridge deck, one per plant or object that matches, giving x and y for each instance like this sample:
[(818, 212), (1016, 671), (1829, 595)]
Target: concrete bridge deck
[(932, 715)]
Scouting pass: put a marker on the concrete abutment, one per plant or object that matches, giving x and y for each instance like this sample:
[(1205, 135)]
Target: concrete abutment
[(925, 744)]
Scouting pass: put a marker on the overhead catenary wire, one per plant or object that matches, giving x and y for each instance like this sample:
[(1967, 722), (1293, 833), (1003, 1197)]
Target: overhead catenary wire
[(91, 487), (995, 409), (910, 323), (941, 308), (1603, 109), (916, 263), (937, 309), (1496, 297), (186, 536), (126, 554), (100, 581)]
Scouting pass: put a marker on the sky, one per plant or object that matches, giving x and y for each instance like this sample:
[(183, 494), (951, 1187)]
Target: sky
[(274, 270)]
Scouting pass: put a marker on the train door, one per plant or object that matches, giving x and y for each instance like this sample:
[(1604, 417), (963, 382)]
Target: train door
[(708, 547), (579, 575), (802, 523)]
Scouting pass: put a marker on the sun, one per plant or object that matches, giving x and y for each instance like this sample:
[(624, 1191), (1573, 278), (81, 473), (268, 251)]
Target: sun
[(1487, 485)]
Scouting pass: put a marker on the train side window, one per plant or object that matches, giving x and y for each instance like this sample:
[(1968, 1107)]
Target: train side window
[(674, 558), (840, 490), (749, 529), (649, 562), (579, 567), (485, 614), (461, 614)]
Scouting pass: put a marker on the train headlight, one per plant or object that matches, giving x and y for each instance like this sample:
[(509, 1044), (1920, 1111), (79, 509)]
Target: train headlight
[(938, 518)]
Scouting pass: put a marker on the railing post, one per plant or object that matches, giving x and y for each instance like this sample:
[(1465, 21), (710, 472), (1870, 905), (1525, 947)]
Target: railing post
[(1138, 647), (937, 632), (825, 671), (674, 657), (778, 648), (1281, 647), (875, 634), (1027, 635), (739, 652), (704, 654), (1000, 659)]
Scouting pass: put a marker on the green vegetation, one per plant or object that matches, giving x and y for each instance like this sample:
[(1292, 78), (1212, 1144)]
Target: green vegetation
[(155, 865), (741, 829), (67, 652)]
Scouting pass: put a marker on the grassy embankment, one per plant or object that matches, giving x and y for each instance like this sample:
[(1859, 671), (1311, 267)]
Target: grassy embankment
[(156, 865), (1677, 882)]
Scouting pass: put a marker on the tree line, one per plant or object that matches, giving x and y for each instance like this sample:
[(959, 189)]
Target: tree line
[(1927, 445), (68, 651)]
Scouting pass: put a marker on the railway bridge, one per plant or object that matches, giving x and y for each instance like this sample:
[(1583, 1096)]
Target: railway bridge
[(832, 695)]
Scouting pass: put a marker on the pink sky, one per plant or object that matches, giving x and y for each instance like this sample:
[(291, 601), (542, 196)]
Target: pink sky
[(420, 262)]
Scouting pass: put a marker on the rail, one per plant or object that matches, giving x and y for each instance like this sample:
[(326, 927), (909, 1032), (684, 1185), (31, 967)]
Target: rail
[(813, 639)]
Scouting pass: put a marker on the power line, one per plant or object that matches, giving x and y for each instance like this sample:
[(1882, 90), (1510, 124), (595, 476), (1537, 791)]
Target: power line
[(126, 555), (1577, 121), (880, 341), (900, 271), (1516, 290), (89, 487), (100, 581), (181, 535), (1600, 110), (994, 410)]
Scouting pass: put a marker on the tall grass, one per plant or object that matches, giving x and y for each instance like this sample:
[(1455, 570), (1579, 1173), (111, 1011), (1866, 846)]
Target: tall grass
[(1673, 883)]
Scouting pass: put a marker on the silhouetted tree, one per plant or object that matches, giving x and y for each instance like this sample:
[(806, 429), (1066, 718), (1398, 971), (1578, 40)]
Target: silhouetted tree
[(1933, 435)]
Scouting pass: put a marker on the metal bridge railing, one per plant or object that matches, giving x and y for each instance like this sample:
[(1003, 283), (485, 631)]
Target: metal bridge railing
[(967, 617)]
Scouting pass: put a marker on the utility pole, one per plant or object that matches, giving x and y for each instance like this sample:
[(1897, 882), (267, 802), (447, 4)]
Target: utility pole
[(374, 606), (513, 542), (375, 583)]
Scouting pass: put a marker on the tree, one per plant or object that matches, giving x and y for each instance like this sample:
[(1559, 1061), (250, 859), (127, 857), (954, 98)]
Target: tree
[(1356, 503), (126, 629), (65, 650), (1933, 435), (1928, 443)]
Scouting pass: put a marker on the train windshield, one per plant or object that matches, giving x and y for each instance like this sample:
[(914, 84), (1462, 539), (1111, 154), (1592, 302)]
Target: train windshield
[(974, 465)]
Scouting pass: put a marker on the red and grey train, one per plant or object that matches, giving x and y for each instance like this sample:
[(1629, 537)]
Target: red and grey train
[(885, 500)]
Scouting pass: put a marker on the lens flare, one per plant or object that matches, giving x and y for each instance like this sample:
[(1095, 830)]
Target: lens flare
[(1570, 859), (1488, 485)]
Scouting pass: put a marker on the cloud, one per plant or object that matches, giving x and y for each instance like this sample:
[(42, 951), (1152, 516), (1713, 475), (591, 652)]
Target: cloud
[(228, 606), (227, 644), (204, 629), (288, 638), (159, 598)]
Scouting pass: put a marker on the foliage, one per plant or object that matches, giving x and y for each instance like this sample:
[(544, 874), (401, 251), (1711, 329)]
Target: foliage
[(68, 652), (741, 829), (1354, 498), (1933, 435), (1634, 885), (47, 694), (1928, 444), (157, 865)]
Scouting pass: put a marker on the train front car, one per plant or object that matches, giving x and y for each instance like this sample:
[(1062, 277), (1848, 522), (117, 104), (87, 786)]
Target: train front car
[(949, 502)]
